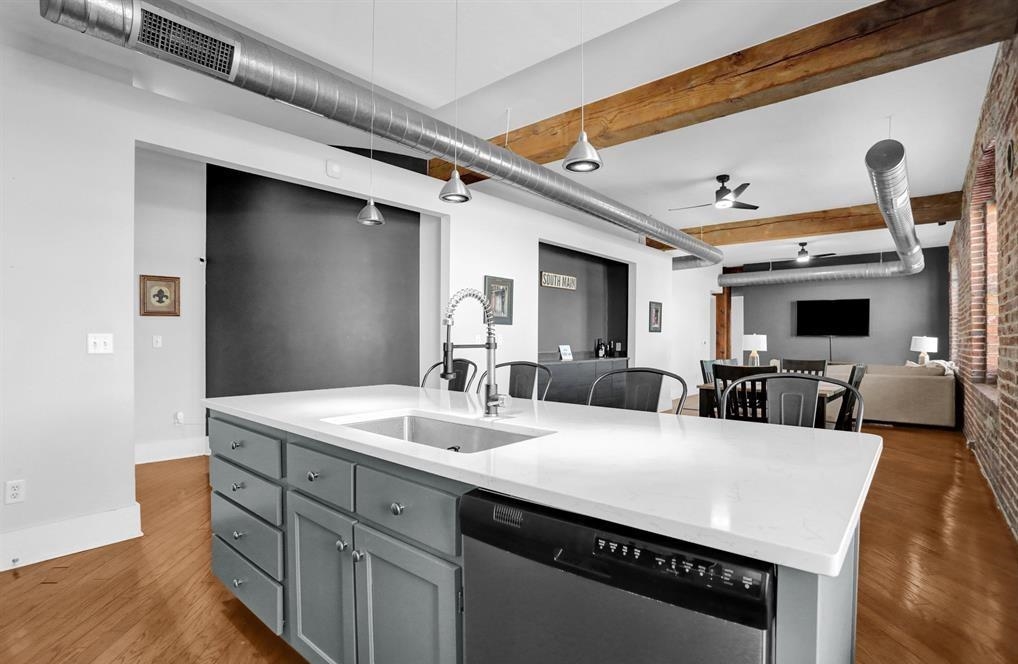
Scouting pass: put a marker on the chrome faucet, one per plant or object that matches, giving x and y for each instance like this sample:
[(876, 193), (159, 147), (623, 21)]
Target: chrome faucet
[(491, 398)]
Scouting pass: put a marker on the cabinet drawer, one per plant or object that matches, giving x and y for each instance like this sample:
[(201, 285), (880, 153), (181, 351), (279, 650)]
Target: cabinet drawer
[(419, 512), (258, 541), (253, 587), (252, 492), (256, 451), (320, 475)]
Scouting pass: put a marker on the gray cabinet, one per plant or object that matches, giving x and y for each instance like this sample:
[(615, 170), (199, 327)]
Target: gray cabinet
[(571, 381), (407, 603), (321, 583)]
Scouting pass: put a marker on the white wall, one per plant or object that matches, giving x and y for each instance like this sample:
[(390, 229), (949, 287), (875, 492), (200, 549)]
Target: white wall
[(691, 321), (169, 225), (67, 145)]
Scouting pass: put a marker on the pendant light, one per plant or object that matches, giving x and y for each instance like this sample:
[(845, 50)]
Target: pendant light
[(370, 215), (583, 157), (454, 190)]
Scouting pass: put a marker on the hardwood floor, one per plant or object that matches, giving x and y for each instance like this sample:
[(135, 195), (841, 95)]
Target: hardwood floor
[(939, 575)]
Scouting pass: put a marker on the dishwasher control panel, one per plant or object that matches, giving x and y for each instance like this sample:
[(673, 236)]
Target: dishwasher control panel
[(693, 570)]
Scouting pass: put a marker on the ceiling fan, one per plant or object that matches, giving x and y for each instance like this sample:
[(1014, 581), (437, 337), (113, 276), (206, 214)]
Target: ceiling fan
[(724, 197), (803, 256)]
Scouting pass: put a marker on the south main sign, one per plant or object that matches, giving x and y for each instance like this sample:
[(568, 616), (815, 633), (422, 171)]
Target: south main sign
[(552, 280)]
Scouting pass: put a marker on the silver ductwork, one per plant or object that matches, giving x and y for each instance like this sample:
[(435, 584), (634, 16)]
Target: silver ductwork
[(171, 32), (889, 177)]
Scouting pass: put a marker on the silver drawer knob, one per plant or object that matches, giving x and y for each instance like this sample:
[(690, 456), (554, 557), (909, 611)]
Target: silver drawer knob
[(358, 556), (341, 545), (236, 486), (312, 476), (237, 583), (237, 534), (397, 509), (235, 444)]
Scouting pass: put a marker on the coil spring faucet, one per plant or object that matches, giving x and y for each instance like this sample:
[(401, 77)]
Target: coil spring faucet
[(491, 398)]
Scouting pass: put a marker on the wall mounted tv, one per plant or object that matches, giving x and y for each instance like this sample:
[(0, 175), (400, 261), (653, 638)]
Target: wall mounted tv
[(832, 318)]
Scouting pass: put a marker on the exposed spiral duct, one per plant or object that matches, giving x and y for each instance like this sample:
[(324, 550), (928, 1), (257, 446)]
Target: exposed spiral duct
[(889, 177), (170, 32)]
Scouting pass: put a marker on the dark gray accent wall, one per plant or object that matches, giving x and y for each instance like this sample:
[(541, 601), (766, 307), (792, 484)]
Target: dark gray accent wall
[(299, 296), (597, 308), (900, 308)]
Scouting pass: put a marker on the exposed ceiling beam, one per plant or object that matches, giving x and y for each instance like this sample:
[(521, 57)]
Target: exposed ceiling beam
[(874, 40), (936, 209)]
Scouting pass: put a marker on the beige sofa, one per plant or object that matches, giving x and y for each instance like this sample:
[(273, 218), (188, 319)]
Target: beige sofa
[(902, 394)]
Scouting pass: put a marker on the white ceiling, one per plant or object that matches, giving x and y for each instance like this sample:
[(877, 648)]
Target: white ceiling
[(414, 38), (800, 155)]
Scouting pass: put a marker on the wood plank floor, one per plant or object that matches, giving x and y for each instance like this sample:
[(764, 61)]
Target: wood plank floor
[(939, 575)]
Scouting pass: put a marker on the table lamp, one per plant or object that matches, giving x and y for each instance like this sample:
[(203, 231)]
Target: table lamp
[(754, 343), (924, 345)]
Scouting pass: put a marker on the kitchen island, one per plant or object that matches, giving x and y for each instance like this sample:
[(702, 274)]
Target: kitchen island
[(787, 496)]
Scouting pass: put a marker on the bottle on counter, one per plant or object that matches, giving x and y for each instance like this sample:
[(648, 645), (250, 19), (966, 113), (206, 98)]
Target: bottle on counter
[(611, 349), (600, 349)]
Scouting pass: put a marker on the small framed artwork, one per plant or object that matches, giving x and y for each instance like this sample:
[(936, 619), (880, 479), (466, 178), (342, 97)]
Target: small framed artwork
[(655, 317), (160, 296), (500, 297), (565, 352)]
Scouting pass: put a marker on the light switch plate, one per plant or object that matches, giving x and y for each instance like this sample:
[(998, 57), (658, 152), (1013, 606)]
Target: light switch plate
[(157, 341), (100, 343)]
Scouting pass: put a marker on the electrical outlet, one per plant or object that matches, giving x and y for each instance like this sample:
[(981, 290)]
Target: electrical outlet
[(178, 417), (14, 491), (157, 341)]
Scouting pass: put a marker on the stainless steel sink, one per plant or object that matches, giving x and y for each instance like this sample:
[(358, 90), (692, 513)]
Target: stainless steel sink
[(452, 436)]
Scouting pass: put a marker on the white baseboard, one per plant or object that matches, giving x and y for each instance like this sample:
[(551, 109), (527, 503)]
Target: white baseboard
[(166, 450), (52, 540)]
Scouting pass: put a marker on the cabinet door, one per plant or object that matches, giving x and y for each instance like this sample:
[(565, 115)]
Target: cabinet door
[(321, 582), (407, 603)]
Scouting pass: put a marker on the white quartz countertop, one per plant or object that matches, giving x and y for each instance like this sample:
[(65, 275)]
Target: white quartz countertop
[(786, 495)]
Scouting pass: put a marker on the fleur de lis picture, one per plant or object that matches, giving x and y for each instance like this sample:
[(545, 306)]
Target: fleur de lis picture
[(160, 296)]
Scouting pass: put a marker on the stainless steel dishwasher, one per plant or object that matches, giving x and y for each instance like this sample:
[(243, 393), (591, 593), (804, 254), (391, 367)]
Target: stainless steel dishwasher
[(543, 586)]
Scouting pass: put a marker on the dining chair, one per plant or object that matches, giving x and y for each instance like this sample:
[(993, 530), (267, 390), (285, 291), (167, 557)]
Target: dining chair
[(707, 368), (844, 421), (750, 403), (525, 379), (811, 367), (636, 388), (465, 371), (794, 411)]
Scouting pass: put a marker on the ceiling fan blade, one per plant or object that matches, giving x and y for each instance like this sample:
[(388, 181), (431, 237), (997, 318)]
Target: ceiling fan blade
[(738, 205), (824, 255), (738, 190), (690, 207)]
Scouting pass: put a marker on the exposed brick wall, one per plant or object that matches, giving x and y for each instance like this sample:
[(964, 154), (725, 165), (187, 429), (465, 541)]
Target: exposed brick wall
[(991, 412)]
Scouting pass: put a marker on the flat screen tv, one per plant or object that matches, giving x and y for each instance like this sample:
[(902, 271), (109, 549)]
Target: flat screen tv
[(832, 318)]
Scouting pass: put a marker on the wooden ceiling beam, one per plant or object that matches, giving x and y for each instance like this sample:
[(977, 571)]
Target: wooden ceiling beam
[(940, 208), (874, 40)]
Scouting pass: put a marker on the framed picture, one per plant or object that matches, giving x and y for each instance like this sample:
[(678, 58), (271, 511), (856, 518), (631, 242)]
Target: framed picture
[(655, 317), (160, 296), (500, 297)]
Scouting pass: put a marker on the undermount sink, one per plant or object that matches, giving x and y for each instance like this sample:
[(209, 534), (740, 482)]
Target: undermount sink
[(452, 436)]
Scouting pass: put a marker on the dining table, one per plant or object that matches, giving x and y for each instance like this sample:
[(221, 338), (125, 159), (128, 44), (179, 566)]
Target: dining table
[(827, 393)]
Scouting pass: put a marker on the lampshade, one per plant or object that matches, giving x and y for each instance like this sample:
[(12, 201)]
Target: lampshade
[(924, 344), (370, 215), (754, 342), (454, 191), (582, 158)]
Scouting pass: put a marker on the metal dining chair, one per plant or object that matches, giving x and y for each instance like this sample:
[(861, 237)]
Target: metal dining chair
[(844, 421), (525, 380), (794, 410), (751, 402), (465, 371), (636, 388), (810, 367)]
